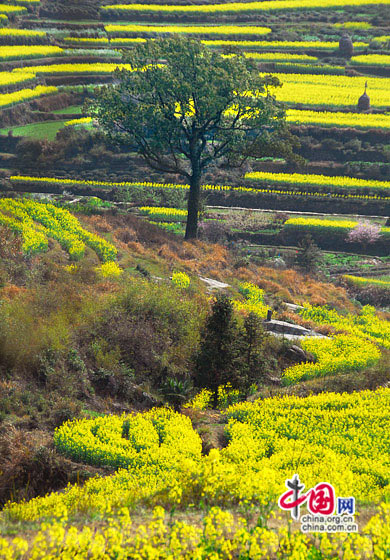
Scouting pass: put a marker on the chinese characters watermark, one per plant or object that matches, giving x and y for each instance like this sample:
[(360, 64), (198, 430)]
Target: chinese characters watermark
[(326, 513)]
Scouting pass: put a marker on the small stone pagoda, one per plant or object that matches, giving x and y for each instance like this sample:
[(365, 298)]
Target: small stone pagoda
[(364, 101)]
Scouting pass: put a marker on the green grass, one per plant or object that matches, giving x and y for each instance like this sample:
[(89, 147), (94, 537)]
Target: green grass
[(342, 259), (71, 110), (37, 131)]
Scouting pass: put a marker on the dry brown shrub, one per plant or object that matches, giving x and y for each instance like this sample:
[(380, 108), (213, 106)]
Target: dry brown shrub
[(190, 266), (10, 244), (215, 273), (136, 247), (283, 294), (243, 273), (272, 287), (303, 288), (220, 253), (169, 255), (125, 235), (215, 261), (318, 300), (11, 291), (100, 223), (190, 251), (196, 256), (294, 287), (326, 330), (108, 287), (289, 279), (28, 465), (120, 245), (291, 317)]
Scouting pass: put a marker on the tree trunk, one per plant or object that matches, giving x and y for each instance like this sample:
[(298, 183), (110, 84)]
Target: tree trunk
[(193, 205)]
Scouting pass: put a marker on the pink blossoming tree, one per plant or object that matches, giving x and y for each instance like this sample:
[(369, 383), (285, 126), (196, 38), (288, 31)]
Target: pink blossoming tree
[(365, 234)]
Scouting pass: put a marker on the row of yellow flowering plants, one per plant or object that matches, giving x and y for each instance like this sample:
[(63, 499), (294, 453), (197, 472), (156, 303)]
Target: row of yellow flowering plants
[(319, 226), (282, 45), (188, 29), (9, 9), (164, 214), (16, 32), (363, 281), (34, 241), (307, 68), (254, 301), (67, 222), (11, 78), (37, 221), (76, 68), (264, 46), (371, 60), (366, 324), (24, 214), (327, 232), (82, 121), (280, 57), (219, 188), (339, 119), (265, 6), (11, 52), (115, 41), (310, 179), (334, 91), (220, 536), (19, 36), (259, 442), (294, 432), (353, 25), (9, 99), (340, 354)]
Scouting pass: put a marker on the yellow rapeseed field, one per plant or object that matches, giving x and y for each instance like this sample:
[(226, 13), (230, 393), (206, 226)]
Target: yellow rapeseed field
[(8, 99), (87, 68), (340, 438), (190, 29), (371, 59), (223, 188), (316, 180), (8, 78), (243, 6), (9, 9), (331, 91), (37, 221), (30, 51), (15, 32), (327, 118)]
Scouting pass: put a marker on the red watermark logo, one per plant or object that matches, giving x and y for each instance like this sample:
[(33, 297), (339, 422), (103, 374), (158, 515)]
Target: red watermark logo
[(325, 510)]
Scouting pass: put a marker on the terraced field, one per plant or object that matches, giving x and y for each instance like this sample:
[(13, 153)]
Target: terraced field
[(296, 41), (159, 490)]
